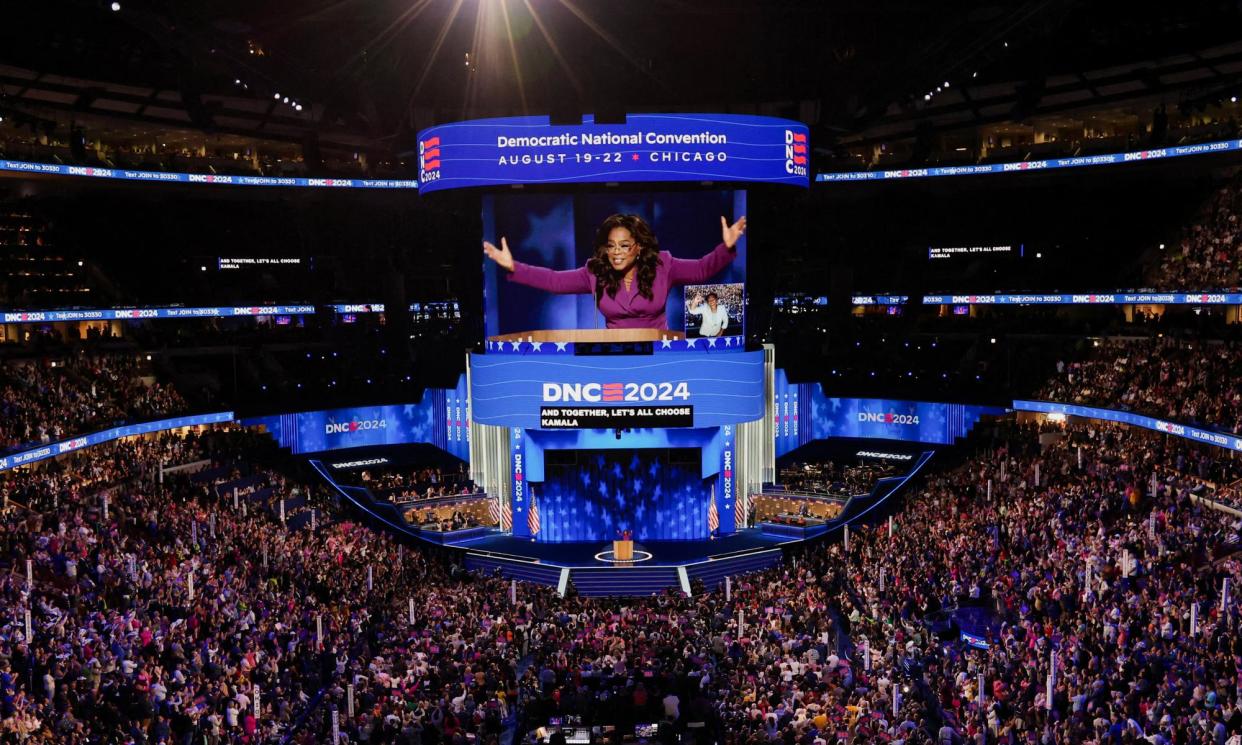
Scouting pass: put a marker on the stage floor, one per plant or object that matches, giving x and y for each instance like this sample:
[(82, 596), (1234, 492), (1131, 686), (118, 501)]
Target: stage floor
[(663, 553)]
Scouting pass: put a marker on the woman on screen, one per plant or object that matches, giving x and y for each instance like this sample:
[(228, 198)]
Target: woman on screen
[(629, 275)]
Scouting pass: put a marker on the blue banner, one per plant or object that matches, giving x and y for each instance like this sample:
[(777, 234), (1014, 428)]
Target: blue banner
[(511, 391), (130, 314), (911, 421), (790, 424), (726, 496), (442, 419), (519, 494), (1208, 437), (1090, 298), (456, 413), (315, 431), (648, 147), (124, 174), (34, 455), (1037, 165)]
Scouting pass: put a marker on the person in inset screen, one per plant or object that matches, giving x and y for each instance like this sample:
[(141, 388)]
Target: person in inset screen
[(629, 275), (715, 316)]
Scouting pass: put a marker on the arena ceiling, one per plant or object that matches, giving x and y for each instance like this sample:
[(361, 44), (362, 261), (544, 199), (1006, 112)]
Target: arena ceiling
[(382, 68)]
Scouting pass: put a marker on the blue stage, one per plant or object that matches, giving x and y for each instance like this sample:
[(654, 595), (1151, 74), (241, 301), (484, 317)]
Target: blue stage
[(673, 564), (582, 554)]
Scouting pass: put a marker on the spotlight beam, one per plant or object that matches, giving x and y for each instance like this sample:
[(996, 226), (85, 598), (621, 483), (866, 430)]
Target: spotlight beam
[(435, 49), (602, 33), (556, 50), (517, 67)]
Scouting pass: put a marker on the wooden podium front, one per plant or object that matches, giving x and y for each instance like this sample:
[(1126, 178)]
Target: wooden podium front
[(591, 336), (623, 550)]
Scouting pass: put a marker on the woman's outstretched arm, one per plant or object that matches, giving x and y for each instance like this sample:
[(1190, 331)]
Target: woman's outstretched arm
[(568, 282), (694, 271)]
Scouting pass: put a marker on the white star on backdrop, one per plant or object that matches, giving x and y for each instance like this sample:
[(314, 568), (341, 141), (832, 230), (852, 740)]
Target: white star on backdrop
[(561, 345), (536, 345), (666, 343), (711, 342), (690, 343)]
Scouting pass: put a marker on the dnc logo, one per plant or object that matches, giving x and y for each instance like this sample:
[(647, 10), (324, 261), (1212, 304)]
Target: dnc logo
[(429, 159), (341, 428), (796, 153)]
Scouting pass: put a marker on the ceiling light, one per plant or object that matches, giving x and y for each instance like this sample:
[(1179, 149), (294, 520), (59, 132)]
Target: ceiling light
[(115, 6)]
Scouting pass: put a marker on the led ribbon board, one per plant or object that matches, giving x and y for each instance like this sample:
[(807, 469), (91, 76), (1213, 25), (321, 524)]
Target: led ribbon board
[(170, 177), (1024, 166), (648, 147), (26, 457), (129, 314), (1208, 437), (1090, 298)]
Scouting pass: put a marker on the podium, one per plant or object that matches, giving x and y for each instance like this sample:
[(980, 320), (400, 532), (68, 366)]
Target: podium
[(589, 336), (623, 550)]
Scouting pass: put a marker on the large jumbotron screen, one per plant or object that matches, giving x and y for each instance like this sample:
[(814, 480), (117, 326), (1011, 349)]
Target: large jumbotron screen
[(698, 289)]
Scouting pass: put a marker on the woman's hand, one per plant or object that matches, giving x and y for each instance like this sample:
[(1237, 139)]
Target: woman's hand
[(505, 259), (731, 233)]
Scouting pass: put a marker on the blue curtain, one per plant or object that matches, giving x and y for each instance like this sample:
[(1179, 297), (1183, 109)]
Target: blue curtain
[(611, 490)]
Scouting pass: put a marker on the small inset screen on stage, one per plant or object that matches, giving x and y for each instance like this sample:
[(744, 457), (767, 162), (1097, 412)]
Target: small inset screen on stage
[(612, 261), (715, 310)]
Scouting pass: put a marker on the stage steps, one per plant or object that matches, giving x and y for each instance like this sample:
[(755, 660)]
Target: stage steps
[(635, 581), (523, 571), (712, 573)]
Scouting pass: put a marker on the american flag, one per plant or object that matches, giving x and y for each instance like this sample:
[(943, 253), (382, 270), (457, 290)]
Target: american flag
[(493, 510), (532, 515), (713, 517), (739, 511)]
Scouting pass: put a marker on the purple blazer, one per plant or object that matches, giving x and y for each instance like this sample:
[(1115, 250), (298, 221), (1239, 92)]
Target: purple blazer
[(629, 310)]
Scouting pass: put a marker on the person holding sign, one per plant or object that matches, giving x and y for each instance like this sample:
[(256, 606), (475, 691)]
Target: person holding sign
[(629, 275)]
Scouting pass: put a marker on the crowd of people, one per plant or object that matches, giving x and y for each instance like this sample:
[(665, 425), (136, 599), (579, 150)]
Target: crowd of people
[(1194, 382), (827, 478), (403, 485), (46, 400), (1208, 254), (1077, 561), (162, 614), (164, 609)]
